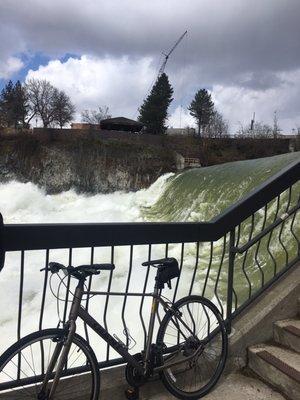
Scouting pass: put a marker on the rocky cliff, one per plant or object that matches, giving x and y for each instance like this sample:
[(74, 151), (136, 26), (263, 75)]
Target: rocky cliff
[(86, 163), (106, 161)]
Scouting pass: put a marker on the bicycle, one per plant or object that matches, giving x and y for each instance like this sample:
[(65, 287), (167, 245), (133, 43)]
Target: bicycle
[(189, 354)]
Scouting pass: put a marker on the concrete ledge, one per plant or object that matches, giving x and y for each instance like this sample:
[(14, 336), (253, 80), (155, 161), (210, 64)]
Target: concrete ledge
[(255, 324), (229, 387)]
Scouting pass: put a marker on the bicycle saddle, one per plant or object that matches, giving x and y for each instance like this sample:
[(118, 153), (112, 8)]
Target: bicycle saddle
[(163, 262)]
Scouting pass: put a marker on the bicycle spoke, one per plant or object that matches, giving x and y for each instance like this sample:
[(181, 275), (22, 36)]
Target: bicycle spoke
[(31, 355), (196, 364)]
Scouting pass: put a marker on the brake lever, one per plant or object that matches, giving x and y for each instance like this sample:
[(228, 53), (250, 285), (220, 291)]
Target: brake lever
[(53, 270), (169, 284)]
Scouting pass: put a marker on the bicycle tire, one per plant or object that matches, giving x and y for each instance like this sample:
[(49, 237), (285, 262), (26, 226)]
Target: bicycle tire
[(37, 338), (168, 376)]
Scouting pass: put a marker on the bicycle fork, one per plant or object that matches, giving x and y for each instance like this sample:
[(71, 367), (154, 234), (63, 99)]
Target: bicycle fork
[(65, 347)]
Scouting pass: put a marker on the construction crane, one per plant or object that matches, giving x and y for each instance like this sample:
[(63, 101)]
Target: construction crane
[(162, 67)]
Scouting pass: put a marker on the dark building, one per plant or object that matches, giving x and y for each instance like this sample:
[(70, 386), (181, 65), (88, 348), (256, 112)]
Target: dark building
[(121, 124)]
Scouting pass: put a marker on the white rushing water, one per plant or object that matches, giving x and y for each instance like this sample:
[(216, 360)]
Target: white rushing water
[(26, 203)]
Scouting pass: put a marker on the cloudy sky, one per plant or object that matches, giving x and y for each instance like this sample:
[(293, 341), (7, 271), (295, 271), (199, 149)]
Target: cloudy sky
[(107, 52)]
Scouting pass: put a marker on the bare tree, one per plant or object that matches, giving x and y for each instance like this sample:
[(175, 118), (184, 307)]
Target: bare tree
[(41, 96), (48, 103), (64, 109), (259, 130), (276, 128), (217, 127), (95, 116)]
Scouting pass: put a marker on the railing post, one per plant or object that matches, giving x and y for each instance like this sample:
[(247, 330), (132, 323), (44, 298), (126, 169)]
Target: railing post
[(230, 280), (2, 252)]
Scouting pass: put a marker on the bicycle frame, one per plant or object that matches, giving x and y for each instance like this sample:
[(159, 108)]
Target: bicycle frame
[(78, 311)]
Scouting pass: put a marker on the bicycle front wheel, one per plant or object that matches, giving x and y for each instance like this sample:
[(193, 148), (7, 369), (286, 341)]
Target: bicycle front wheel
[(24, 365), (193, 343)]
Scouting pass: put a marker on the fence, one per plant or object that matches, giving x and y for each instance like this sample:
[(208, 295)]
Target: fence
[(231, 260), (192, 162)]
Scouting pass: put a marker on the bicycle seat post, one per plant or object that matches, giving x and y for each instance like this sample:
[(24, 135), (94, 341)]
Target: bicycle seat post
[(155, 302)]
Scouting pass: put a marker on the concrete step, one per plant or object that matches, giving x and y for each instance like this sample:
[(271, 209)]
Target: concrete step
[(287, 333), (277, 366)]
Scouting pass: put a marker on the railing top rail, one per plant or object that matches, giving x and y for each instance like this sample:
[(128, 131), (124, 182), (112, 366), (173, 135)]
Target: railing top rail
[(43, 236), (2, 252)]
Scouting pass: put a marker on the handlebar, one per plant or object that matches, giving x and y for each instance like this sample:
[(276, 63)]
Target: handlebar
[(80, 272)]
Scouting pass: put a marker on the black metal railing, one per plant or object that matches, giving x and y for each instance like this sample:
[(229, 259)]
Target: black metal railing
[(231, 260)]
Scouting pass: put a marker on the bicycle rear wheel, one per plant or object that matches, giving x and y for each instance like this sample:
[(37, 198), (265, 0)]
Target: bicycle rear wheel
[(24, 364), (195, 338)]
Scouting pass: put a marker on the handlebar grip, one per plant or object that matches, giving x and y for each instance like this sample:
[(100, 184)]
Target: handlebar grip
[(55, 267), (2, 251)]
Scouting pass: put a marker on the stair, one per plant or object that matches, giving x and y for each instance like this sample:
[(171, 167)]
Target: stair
[(279, 363), (287, 333)]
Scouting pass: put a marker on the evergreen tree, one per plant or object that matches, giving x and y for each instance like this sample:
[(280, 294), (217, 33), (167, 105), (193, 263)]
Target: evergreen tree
[(6, 104), (13, 105), (154, 110), (202, 109), (20, 105)]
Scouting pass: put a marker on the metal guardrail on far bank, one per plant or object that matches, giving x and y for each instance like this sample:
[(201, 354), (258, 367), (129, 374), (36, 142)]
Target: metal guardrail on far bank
[(231, 259)]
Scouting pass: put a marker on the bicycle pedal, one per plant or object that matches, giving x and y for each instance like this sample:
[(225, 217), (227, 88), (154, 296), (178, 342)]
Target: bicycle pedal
[(132, 393)]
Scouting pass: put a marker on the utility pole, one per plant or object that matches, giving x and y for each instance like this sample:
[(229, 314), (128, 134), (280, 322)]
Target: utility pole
[(276, 128), (252, 122)]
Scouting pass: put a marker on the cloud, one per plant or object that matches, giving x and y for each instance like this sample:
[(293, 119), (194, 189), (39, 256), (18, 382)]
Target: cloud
[(225, 39), (248, 53), (122, 84), (9, 67), (181, 118), (238, 103), (119, 83)]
